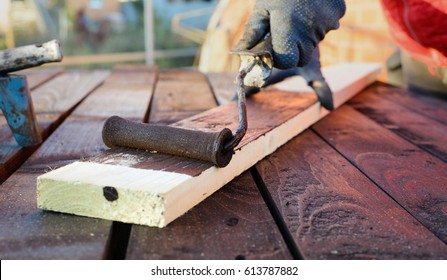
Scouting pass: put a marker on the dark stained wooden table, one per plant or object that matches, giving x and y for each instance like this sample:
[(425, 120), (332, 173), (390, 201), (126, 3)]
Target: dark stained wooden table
[(369, 181)]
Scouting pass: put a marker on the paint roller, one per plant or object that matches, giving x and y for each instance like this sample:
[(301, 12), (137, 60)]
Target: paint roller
[(216, 147)]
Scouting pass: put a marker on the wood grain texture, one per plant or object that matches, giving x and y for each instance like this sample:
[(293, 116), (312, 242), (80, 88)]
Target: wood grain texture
[(37, 77), (179, 94), (52, 103), (234, 223), (223, 86), (420, 130), (426, 105), (28, 232), (265, 111), (274, 117), (131, 92), (414, 178), (334, 212), (59, 94), (159, 196)]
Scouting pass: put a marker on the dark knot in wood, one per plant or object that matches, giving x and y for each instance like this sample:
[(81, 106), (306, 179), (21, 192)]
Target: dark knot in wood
[(110, 193)]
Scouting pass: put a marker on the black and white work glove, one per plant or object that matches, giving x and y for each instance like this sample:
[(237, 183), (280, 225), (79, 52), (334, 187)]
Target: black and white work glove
[(296, 27)]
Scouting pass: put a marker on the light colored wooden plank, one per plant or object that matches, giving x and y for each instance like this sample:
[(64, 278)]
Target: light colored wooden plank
[(154, 189)]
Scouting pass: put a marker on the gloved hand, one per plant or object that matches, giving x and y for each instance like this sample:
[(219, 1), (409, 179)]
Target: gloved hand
[(311, 72), (296, 27)]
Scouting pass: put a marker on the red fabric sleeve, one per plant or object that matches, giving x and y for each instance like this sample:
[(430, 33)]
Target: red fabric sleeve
[(420, 28)]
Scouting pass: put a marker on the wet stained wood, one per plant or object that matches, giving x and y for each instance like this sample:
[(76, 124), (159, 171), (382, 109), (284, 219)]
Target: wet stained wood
[(411, 176), (180, 94), (265, 111), (52, 103), (233, 223), (333, 211), (423, 131), (427, 105), (167, 192), (30, 233)]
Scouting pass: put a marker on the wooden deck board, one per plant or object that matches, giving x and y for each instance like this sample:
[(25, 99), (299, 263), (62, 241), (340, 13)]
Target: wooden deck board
[(233, 223), (426, 105), (180, 94), (421, 130), (28, 232), (37, 77), (52, 103), (223, 86), (334, 212), (411, 176)]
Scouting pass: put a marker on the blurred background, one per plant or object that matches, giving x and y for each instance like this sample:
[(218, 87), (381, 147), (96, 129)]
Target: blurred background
[(107, 32), (173, 33)]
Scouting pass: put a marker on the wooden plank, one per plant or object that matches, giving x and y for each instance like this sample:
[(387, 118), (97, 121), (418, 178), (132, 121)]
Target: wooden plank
[(414, 178), (30, 233), (233, 223), (37, 77), (156, 189), (429, 106), (224, 93), (334, 212), (52, 102), (223, 86), (424, 132), (175, 89)]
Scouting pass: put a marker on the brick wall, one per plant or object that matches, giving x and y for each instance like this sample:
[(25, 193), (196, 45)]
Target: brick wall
[(363, 36)]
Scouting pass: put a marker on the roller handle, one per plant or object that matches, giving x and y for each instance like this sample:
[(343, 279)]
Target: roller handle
[(208, 146)]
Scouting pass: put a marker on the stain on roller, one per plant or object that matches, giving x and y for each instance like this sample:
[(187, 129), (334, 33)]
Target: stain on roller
[(110, 193)]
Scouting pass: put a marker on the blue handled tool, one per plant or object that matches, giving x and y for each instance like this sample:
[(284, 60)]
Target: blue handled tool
[(15, 98)]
